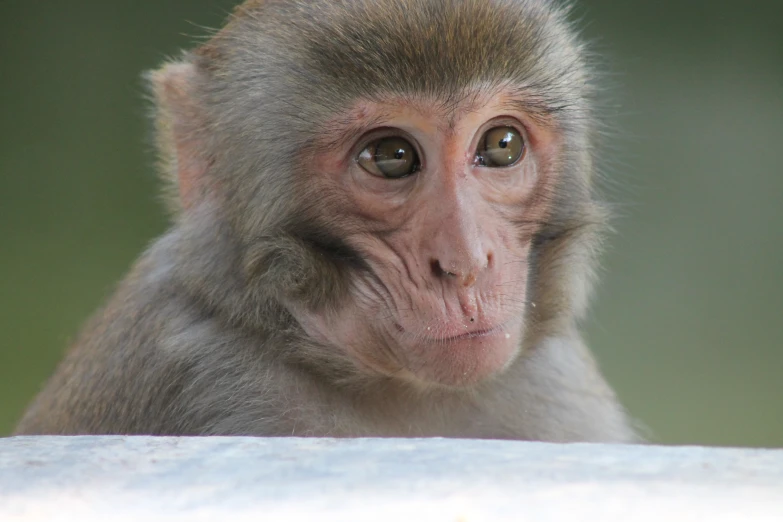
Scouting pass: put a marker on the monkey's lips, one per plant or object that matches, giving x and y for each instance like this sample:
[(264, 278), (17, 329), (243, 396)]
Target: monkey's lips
[(459, 333), (463, 359), (487, 332)]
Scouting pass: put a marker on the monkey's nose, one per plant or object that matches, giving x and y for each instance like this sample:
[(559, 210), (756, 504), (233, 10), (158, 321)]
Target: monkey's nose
[(465, 276)]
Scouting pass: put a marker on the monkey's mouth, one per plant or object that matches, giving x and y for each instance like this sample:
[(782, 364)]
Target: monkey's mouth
[(455, 358), (475, 334), (433, 336)]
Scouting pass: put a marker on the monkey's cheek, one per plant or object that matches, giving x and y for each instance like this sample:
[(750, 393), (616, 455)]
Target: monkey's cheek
[(461, 363)]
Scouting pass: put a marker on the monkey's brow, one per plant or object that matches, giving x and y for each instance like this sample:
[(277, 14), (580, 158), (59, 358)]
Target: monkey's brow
[(541, 108), (537, 109), (349, 129)]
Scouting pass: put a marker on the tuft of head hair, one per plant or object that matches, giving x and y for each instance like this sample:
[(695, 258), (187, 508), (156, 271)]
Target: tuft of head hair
[(280, 68)]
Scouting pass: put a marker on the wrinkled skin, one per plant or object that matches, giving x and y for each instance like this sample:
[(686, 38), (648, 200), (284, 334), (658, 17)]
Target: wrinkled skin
[(300, 293), (447, 247)]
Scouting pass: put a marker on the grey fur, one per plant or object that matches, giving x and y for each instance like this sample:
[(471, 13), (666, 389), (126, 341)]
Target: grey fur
[(199, 340)]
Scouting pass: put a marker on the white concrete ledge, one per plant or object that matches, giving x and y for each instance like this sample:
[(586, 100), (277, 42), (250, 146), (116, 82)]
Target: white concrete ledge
[(238, 479)]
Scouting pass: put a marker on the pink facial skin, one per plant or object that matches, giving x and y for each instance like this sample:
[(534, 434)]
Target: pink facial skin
[(448, 247)]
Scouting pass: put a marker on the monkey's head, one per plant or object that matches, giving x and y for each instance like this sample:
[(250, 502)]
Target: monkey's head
[(410, 181)]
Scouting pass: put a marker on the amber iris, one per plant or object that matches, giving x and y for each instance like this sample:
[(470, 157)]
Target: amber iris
[(500, 147), (392, 158)]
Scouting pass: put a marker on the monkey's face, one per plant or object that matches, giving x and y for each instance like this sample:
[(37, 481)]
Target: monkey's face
[(440, 175), (441, 202)]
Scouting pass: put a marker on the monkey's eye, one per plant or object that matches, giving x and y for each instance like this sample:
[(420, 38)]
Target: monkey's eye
[(500, 147), (391, 158)]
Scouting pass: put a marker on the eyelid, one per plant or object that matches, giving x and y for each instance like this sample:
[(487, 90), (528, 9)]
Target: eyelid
[(502, 121)]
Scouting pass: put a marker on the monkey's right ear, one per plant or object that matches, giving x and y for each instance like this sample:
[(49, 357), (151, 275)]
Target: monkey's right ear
[(179, 124)]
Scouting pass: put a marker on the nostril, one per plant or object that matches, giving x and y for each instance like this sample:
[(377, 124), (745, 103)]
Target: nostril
[(490, 259), (438, 270)]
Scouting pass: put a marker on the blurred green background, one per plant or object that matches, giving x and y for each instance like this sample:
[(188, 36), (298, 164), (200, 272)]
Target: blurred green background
[(688, 324)]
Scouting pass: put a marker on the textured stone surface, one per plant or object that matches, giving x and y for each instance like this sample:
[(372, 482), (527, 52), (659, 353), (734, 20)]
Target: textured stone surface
[(238, 479)]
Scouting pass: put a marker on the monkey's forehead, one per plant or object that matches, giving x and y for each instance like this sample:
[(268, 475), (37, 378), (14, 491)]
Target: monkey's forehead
[(440, 48)]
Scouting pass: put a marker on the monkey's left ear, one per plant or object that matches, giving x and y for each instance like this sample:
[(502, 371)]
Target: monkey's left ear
[(179, 123)]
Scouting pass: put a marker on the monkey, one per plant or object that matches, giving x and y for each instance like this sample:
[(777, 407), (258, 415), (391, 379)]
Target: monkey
[(385, 223)]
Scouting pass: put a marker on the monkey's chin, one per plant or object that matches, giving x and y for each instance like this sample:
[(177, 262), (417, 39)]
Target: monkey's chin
[(466, 360)]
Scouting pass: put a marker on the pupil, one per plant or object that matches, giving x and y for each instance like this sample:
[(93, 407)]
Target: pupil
[(503, 143), (399, 154)]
